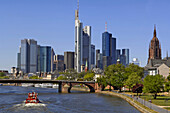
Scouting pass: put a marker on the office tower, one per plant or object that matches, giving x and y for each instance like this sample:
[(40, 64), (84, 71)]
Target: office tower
[(59, 63), (154, 47), (125, 53), (118, 53), (69, 60), (29, 56), (78, 42), (45, 59), (107, 60), (19, 59), (87, 46), (52, 60), (92, 56), (97, 58), (108, 48), (123, 59), (38, 59)]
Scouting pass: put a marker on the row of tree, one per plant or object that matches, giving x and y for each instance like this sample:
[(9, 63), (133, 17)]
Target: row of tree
[(71, 74), (118, 76)]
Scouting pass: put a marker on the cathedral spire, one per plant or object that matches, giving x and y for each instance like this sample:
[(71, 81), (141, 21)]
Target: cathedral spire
[(154, 34)]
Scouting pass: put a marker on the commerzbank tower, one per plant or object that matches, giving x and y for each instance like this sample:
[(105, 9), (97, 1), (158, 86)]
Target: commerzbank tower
[(82, 44)]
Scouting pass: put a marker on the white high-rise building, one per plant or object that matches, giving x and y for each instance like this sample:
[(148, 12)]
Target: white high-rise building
[(82, 43), (78, 42)]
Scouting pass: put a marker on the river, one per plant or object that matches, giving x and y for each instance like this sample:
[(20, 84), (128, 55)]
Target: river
[(12, 97)]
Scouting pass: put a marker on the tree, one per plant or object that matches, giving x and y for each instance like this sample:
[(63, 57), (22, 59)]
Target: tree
[(115, 75), (168, 78), (61, 78), (70, 74), (132, 68), (102, 82), (2, 74), (132, 80), (34, 77), (89, 76), (153, 84)]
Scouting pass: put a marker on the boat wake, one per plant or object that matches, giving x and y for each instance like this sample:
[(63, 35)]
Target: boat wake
[(30, 105)]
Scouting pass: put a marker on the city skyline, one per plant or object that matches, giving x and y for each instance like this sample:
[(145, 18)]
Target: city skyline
[(49, 31)]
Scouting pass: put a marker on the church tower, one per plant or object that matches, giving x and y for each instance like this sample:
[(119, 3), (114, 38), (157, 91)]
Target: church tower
[(154, 47)]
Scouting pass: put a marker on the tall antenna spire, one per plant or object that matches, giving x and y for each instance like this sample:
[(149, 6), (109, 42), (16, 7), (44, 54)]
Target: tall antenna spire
[(78, 8), (167, 54), (105, 26)]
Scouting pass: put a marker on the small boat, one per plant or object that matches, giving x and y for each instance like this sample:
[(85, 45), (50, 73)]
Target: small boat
[(32, 98)]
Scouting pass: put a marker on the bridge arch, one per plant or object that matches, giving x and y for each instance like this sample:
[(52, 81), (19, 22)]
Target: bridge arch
[(66, 87)]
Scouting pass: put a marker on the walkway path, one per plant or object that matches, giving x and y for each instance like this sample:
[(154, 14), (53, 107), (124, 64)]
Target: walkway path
[(148, 104)]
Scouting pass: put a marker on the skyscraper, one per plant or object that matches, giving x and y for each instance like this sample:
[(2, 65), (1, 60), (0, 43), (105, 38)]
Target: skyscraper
[(29, 56), (108, 49), (78, 42), (87, 46), (45, 59), (59, 63), (118, 53), (69, 60), (154, 47), (52, 60), (92, 56), (82, 43), (125, 53), (19, 59)]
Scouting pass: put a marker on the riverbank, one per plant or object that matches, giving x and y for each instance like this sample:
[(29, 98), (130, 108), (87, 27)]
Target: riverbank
[(134, 103), (80, 89)]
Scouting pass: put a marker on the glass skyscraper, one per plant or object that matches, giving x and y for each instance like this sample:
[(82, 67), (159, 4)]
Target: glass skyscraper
[(125, 52), (45, 59), (108, 49), (29, 56)]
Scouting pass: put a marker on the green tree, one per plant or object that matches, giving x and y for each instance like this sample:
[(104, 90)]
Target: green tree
[(34, 77), (61, 78), (89, 76), (115, 75), (132, 80), (102, 82), (168, 78), (70, 74), (132, 68), (153, 84), (2, 74)]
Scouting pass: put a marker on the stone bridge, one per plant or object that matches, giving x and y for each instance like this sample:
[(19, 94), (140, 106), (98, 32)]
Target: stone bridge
[(64, 85)]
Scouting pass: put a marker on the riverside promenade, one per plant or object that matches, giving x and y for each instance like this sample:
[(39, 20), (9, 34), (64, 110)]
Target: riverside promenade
[(144, 106)]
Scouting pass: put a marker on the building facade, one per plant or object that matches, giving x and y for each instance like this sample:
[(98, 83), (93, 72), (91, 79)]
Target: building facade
[(59, 63), (78, 42), (92, 56), (125, 53), (68, 60), (45, 59), (29, 56), (108, 49), (87, 46)]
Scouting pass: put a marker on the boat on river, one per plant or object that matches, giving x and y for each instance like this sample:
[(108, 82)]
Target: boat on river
[(32, 98)]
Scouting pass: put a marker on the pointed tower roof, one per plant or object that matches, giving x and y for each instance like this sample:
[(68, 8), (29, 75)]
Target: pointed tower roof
[(154, 34)]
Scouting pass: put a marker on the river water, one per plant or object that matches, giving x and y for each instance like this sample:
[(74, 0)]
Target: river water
[(12, 97)]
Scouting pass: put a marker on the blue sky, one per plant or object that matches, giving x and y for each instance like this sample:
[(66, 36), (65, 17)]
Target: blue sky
[(51, 22)]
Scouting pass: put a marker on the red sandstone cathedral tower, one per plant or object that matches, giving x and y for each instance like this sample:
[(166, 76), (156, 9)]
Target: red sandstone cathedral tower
[(154, 47)]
